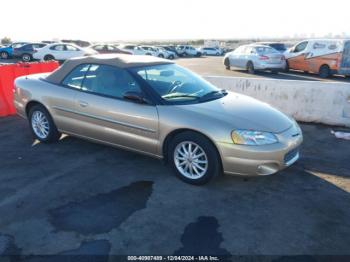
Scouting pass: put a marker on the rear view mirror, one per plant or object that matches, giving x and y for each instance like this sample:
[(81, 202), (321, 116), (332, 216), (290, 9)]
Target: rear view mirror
[(134, 96)]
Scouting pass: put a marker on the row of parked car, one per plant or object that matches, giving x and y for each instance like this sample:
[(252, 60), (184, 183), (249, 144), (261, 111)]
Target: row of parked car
[(63, 51), (321, 56)]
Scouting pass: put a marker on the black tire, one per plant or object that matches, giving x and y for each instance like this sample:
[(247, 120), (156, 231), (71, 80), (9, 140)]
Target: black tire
[(324, 71), (217, 54), (250, 68), (227, 63), (49, 57), (4, 55), (53, 134), (213, 157), (274, 71), (26, 58), (161, 55), (171, 57)]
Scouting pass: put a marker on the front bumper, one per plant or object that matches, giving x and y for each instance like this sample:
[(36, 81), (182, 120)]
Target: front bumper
[(262, 160)]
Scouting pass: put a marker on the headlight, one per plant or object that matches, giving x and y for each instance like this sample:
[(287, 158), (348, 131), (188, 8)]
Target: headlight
[(253, 138)]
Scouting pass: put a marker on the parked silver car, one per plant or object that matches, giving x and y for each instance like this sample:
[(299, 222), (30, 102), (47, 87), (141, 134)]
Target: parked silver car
[(255, 57)]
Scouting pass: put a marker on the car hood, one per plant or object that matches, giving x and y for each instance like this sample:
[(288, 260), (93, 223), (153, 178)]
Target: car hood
[(243, 112)]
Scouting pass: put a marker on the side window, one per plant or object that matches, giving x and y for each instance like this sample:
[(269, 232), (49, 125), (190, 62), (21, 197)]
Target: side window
[(111, 48), (300, 47), (57, 47), (71, 48), (109, 81), (98, 47), (75, 78), (28, 47)]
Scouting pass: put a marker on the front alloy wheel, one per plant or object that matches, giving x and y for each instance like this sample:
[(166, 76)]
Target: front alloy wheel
[(194, 158), (190, 160)]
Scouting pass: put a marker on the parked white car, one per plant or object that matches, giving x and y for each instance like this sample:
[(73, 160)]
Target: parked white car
[(61, 51), (136, 50), (163, 53), (255, 57), (210, 51), (187, 50)]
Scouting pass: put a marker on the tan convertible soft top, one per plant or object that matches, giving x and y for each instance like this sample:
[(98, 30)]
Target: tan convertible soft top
[(118, 60)]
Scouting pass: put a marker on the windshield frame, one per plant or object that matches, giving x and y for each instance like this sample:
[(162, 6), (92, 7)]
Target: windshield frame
[(160, 100)]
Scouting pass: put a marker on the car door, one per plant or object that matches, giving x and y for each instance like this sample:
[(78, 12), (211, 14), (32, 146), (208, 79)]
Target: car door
[(297, 57), (104, 114), (63, 103), (58, 51)]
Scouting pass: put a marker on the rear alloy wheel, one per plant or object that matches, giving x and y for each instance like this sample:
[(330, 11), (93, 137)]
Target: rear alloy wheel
[(42, 125), (26, 57), (161, 55), (49, 58), (324, 71), (4, 55), (194, 158), (250, 68), (227, 64), (171, 57), (217, 53)]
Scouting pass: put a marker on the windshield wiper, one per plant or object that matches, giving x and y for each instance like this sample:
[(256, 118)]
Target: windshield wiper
[(212, 94), (177, 95)]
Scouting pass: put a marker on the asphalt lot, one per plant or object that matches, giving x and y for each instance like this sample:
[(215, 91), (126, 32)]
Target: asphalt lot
[(77, 197), (213, 66)]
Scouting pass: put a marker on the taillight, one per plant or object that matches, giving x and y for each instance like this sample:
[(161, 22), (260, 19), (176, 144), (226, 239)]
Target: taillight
[(264, 57)]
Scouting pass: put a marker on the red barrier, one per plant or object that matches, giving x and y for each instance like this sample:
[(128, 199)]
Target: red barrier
[(8, 74)]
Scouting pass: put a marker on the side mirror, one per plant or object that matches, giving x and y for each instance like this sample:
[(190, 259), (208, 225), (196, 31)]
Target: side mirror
[(133, 96)]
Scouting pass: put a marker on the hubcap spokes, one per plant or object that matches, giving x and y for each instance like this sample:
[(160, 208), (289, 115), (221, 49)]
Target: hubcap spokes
[(40, 124), (190, 160)]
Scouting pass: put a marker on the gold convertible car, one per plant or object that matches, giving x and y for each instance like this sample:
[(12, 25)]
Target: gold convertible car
[(153, 106)]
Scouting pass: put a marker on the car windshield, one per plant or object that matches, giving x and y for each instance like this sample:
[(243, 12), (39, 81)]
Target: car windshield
[(176, 84)]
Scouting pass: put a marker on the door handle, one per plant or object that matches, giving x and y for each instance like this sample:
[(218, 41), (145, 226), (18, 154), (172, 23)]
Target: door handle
[(83, 103)]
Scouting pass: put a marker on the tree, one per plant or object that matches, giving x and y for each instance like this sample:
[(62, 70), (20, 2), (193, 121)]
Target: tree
[(6, 41)]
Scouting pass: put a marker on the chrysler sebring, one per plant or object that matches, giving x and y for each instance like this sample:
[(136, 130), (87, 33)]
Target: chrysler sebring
[(155, 107)]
